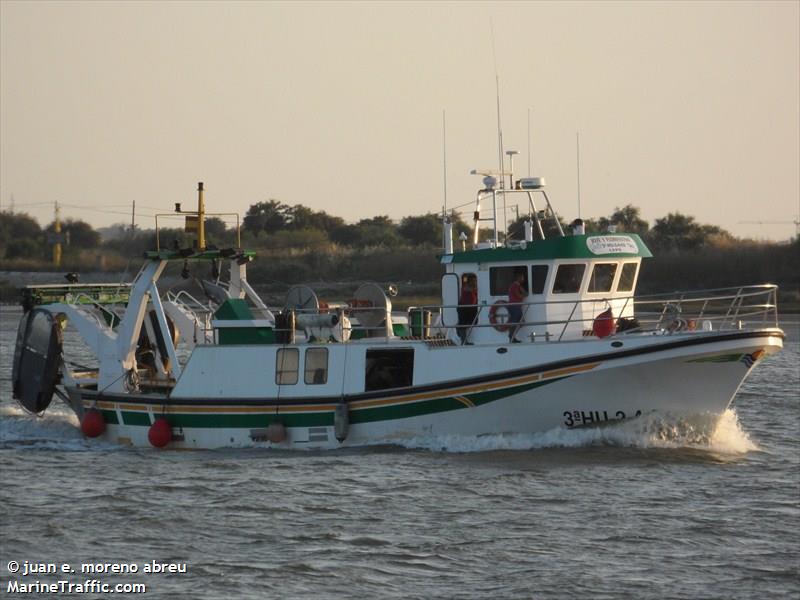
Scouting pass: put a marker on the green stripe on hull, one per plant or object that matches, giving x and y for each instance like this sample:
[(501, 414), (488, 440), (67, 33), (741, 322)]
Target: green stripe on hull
[(110, 417), (415, 409), (719, 358), (248, 421), (485, 397), (323, 419), (401, 411), (135, 418)]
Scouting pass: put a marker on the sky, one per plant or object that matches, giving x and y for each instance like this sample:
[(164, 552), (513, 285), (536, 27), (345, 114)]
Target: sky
[(691, 107)]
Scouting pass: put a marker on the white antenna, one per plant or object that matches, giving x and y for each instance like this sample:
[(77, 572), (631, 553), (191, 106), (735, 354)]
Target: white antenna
[(578, 150), (499, 125), (444, 158), (529, 141)]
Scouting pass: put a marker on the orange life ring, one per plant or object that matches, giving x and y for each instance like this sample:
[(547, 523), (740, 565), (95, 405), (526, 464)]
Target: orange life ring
[(499, 323)]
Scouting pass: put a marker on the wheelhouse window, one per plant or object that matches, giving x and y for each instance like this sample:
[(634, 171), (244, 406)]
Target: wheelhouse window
[(538, 278), (287, 363), (316, 370), (386, 369), (568, 279), (627, 277), (501, 278), (602, 278)]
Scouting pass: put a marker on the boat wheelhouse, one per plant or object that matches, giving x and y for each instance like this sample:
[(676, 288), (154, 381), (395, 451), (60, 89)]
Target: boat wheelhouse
[(569, 281)]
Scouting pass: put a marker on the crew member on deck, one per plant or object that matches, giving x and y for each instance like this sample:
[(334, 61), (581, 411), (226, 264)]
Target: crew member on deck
[(516, 296), (467, 306)]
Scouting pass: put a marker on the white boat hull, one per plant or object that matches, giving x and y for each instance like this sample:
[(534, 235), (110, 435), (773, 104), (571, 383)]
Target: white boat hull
[(695, 374)]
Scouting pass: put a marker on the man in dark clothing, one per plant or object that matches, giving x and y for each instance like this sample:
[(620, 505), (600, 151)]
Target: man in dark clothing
[(516, 296), (467, 306)]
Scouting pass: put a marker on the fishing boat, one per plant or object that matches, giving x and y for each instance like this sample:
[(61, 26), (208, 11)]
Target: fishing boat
[(533, 334)]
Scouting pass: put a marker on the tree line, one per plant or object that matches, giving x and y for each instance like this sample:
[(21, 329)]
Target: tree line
[(676, 232), (273, 226), (300, 245)]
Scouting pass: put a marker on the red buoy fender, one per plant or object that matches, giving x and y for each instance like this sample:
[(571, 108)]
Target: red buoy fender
[(500, 324), (93, 424), (604, 325), (160, 433), (276, 432)]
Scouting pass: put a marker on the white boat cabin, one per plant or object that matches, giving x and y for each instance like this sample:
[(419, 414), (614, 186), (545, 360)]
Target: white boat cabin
[(567, 280)]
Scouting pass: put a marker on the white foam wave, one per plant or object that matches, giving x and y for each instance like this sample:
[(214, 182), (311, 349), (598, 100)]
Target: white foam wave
[(728, 437), (58, 430), (719, 434)]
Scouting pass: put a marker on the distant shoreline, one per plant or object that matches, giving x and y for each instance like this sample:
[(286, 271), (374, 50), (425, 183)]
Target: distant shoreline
[(417, 293)]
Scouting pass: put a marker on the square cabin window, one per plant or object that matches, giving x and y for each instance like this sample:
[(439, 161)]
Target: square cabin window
[(627, 278), (501, 278), (286, 365), (602, 278), (538, 278), (568, 279), (387, 369), (316, 366)]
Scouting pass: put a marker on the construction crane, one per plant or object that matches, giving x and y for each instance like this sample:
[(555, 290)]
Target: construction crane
[(795, 222)]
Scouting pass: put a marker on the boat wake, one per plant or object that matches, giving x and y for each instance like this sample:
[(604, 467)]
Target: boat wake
[(59, 431), (719, 435), (723, 435)]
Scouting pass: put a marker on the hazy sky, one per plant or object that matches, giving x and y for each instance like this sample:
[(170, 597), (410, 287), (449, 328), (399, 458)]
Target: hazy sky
[(681, 106)]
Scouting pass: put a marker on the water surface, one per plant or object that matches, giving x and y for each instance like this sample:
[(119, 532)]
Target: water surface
[(640, 510)]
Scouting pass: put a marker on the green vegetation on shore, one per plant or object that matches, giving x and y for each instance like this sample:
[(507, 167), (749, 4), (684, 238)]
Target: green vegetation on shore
[(296, 244)]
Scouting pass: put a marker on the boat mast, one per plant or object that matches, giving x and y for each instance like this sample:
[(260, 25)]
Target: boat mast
[(447, 224), (499, 123), (201, 213), (57, 236), (444, 158), (578, 160), (529, 141), (499, 141), (510, 154)]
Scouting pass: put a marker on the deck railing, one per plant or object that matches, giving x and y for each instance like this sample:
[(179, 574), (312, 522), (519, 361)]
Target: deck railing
[(717, 309), (709, 310), (725, 308)]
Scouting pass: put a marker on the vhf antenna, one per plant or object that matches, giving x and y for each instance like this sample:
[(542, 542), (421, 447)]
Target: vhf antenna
[(499, 125), (444, 158), (529, 141), (578, 159)]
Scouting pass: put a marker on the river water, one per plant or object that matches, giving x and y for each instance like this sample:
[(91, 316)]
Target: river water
[(637, 510)]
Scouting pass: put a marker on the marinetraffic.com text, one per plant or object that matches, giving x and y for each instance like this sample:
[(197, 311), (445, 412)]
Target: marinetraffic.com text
[(28, 577)]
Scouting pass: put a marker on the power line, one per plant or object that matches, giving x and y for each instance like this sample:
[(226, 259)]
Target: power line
[(102, 210), (158, 208)]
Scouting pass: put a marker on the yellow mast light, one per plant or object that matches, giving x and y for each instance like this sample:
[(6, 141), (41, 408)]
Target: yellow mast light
[(201, 214)]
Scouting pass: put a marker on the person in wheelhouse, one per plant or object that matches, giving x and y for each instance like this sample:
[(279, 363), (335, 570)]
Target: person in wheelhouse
[(517, 292)]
